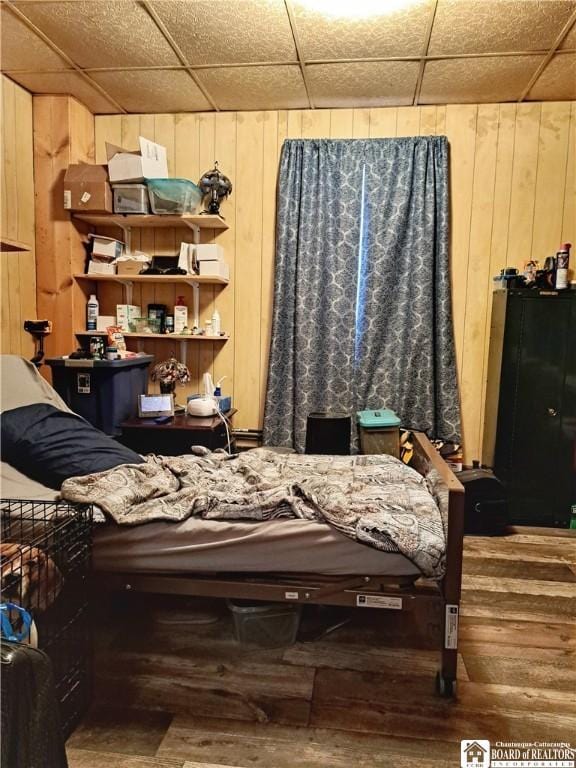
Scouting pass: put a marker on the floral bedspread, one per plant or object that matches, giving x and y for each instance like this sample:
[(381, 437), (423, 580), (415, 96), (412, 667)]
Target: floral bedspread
[(376, 499)]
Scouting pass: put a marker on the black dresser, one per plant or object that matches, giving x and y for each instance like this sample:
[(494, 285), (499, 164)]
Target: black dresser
[(533, 337)]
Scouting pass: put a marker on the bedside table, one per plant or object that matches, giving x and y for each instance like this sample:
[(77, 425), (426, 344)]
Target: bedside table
[(176, 436)]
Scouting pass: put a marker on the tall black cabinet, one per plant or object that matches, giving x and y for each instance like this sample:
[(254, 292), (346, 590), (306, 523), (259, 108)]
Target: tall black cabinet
[(535, 449)]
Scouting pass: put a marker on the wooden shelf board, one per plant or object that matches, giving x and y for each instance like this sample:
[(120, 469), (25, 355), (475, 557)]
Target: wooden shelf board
[(209, 221), (166, 336), (200, 279), (13, 246)]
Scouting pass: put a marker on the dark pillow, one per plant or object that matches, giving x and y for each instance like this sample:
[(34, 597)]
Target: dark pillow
[(50, 446)]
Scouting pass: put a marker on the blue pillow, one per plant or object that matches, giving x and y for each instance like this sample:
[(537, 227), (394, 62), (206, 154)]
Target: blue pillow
[(50, 446)]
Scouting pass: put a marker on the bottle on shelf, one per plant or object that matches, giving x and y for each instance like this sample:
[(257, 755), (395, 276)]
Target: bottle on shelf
[(92, 312), (562, 261), (216, 323), (180, 315)]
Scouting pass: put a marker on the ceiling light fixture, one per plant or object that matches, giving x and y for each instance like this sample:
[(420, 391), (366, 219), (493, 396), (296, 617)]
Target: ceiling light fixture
[(356, 9)]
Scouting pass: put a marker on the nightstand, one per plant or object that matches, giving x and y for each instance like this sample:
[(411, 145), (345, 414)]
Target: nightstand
[(176, 436)]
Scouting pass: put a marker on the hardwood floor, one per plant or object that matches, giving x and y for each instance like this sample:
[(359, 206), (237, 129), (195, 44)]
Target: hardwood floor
[(186, 695)]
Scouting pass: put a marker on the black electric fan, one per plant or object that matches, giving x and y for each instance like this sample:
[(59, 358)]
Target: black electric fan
[(215, 187)]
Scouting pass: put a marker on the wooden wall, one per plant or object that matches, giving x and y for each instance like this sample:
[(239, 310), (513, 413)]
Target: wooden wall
[(513, 197), (18, 273), (63, 134)]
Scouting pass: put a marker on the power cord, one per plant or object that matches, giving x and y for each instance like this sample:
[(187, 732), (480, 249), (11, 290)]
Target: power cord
[(226, 423)]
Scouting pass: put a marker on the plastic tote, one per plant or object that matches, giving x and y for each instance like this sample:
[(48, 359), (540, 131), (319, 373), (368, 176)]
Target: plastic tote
[(267, 625), (104, 392), (173, 196)]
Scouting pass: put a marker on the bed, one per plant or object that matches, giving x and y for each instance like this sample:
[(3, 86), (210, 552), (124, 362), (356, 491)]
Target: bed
[(268, 560)]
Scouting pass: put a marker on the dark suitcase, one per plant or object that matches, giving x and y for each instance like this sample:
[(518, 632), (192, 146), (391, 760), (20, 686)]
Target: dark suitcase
[(485, 505), (31, 730)]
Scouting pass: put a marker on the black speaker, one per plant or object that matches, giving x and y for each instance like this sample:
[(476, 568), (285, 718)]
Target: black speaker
[(328, 433), (485, 503)]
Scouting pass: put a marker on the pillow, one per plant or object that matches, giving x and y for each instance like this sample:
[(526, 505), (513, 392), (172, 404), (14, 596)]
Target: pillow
[(49, 445)]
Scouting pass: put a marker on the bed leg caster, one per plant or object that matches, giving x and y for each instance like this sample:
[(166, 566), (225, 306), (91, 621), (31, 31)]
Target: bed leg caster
[(445, 686)]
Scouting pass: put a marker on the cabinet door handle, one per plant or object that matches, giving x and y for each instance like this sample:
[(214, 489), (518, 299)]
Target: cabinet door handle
[(552, 412)]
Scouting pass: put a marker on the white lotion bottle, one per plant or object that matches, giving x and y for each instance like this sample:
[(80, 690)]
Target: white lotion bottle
[(216, 323), (92, 312)]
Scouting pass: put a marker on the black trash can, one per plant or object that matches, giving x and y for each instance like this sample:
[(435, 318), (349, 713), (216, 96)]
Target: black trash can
[(328, 433), (104, 392)]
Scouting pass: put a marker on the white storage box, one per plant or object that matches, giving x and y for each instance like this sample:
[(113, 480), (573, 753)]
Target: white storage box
[(105, 321), (148, 163), (101, 268), (106, 247), (214, 269), (209, 252), (131, 198), (126, 314)]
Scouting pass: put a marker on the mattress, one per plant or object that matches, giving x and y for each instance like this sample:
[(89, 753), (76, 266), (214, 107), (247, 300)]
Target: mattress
[(197, 546)]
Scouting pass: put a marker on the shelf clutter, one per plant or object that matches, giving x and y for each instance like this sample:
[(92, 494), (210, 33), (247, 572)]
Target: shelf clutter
[(133, 191), (164, 336)]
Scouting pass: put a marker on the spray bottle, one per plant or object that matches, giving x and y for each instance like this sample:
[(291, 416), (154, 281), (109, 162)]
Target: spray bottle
[(562, 261)]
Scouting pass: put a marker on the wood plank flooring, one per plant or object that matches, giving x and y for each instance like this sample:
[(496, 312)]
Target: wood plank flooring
[(174, 689)]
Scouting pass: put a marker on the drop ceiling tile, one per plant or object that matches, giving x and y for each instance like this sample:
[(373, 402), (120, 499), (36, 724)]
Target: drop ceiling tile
[(66, 82), (244, 88), (229, 31), (362, 84), (106, 33), (326, 35), (491, 26), (558, 81), (159, 90), (570, 39), (470, 81), (21, 48)]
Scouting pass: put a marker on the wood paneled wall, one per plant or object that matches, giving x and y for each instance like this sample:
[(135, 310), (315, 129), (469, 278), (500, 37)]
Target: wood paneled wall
[(18, 270), (513, 197), (63, 134)]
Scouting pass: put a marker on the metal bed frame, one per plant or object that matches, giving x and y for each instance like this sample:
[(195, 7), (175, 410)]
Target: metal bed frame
[(439, 602)]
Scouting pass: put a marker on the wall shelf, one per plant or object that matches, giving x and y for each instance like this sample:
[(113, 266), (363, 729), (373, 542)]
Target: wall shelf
[(165, 336), (165, 279), (13, 246), (190, 220)]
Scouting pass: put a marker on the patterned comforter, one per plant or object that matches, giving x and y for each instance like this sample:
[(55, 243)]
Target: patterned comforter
[(376, 500)]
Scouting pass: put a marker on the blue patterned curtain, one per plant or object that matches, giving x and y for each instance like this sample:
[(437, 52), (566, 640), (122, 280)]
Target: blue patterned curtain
[(362, 310)]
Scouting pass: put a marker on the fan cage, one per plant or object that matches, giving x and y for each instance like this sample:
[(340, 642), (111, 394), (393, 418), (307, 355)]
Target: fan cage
[(46, 558)]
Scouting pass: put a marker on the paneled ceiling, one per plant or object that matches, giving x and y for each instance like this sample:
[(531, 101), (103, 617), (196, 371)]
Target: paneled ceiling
[(200, 55)]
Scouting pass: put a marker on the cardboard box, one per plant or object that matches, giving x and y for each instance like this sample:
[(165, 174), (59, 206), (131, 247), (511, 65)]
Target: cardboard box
[(125, 314), (147, 163), (101, 268), (105, 321), (214, 269), (130, 267), (209, 252), (86, 188), (106, 248)]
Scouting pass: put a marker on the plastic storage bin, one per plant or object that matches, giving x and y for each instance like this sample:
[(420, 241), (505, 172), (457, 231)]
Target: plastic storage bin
[(173, 196), (131, 198), (267, 625), (104, 392), (379, 432)]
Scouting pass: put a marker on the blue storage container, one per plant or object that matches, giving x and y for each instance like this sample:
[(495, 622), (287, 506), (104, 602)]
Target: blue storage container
[(173, 196), (104, 392), (379, 432), (378, 419)]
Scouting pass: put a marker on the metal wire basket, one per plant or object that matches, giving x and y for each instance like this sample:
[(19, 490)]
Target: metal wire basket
[(45, 561)]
